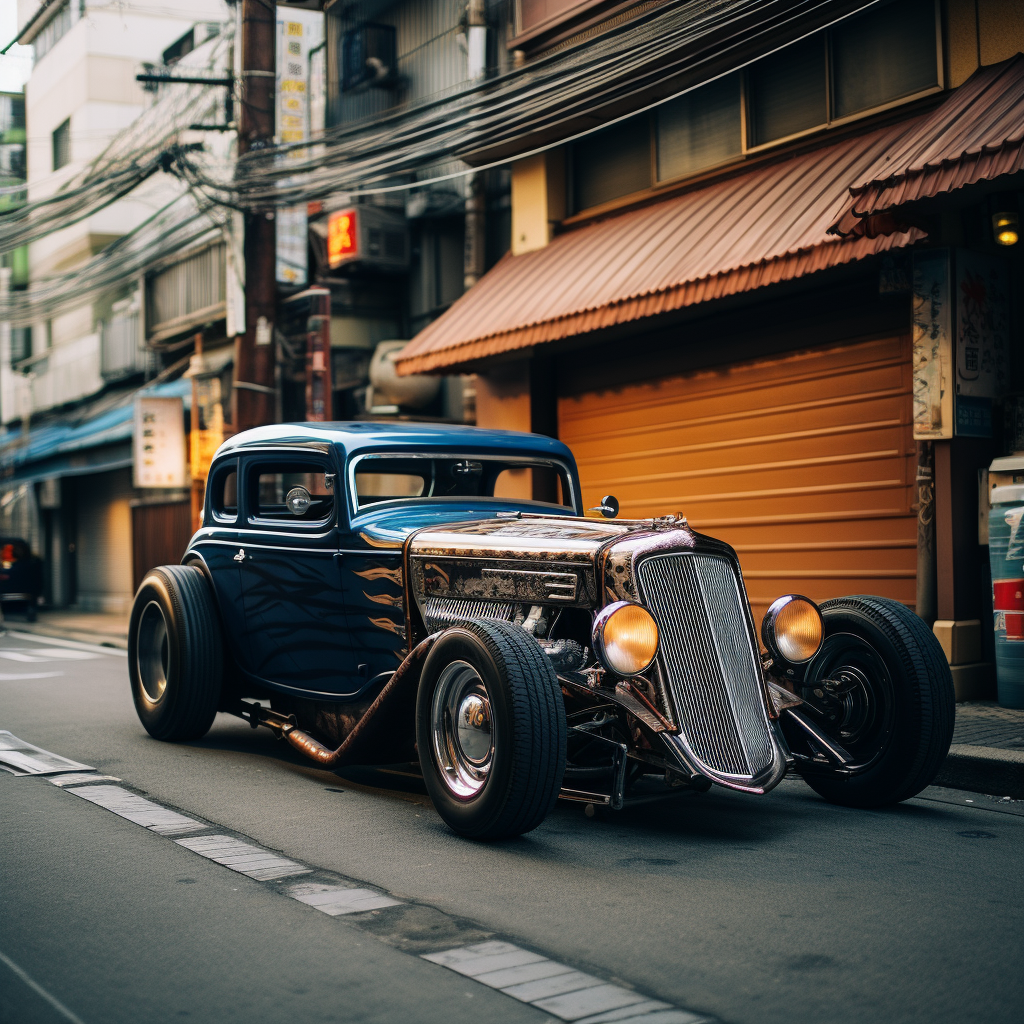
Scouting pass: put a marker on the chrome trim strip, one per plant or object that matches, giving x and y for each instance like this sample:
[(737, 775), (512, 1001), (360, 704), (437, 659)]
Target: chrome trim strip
[(265, 547)]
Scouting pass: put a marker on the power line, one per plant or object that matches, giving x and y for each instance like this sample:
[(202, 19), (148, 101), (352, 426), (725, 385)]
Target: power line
[(365, 158), (177, 225)]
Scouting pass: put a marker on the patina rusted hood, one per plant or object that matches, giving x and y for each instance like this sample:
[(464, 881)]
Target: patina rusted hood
[(551, 560)]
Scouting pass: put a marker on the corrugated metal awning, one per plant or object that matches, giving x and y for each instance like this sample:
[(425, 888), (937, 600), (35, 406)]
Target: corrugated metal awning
[(759, 228), (975, 135)]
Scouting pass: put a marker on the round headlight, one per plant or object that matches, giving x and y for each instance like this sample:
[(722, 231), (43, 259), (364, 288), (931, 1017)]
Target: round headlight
[(792, 629), (625, 638)]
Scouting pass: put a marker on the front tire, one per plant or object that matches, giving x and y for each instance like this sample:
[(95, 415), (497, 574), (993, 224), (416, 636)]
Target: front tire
[(896, 705), (175, 657), (490, 730)]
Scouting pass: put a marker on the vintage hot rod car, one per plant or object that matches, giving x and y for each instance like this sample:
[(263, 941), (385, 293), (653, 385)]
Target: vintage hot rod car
[(365, 591)]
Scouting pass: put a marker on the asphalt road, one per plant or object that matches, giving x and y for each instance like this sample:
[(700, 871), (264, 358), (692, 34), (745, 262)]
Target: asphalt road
[(749, 910)]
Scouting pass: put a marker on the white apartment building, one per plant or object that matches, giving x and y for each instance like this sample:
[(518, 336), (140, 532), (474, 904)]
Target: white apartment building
[(83, 92)]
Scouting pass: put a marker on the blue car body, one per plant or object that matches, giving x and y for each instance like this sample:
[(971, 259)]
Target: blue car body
[(317, 610)]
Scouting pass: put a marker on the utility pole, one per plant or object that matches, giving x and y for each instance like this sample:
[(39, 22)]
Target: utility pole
[(318, 356), (253, 395), (474, 253)]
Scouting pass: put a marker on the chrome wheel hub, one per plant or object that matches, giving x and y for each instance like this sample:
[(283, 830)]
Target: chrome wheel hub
[(461, 729), (153, 652)]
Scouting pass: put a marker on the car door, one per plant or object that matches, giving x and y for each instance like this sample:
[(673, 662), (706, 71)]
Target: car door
[(217, 544), (290, 575)]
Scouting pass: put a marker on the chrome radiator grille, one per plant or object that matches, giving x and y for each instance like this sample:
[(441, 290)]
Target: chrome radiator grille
[(708, 659)]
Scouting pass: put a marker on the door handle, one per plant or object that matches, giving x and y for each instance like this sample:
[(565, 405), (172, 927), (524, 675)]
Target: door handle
[(241, 556)]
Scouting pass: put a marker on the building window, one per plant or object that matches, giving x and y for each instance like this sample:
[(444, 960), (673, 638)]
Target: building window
[(612, 163), (53, 31), (884, 56), (700, 129), (180, 47), (62, 144), (369, 57), (787, 92), (21, 344)]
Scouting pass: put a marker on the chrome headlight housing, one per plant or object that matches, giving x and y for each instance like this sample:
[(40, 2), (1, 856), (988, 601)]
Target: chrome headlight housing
[(792, 629), (625, 638)]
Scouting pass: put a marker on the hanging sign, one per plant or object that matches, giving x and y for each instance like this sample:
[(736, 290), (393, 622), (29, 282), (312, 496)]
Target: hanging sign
[(933, 346), (158, 443), (342, 241), (297, 33)]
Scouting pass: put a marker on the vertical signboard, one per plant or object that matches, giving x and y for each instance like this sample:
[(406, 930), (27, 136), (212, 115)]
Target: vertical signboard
[(342, 237), (159, 443), (933, 346), (297, 33)]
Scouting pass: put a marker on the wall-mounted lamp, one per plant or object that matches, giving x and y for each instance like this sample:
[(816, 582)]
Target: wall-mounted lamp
[(1006, 227)]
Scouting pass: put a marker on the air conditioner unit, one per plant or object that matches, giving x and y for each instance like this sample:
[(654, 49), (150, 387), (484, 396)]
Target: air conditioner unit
[(368, 236), (369, 57)]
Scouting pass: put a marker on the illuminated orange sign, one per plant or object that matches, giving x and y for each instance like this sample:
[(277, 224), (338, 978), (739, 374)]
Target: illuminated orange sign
[(342, 243)]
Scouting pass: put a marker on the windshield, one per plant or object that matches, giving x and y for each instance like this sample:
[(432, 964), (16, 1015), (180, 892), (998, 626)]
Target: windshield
[(380, 478)]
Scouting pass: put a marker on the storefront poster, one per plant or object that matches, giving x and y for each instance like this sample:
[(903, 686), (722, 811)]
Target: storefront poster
[(158, 443), (982, 328)]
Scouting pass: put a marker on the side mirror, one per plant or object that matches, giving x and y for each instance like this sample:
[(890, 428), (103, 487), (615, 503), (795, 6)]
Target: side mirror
[(609, 507)]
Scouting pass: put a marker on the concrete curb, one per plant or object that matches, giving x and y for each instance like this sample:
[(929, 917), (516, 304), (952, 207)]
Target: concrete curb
[(983, 770)]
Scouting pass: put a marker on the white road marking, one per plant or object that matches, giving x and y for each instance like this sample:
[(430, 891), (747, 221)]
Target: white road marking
[(41, 992), (78, 780), (77, 645), (555, 988), (10, 677), (45, 654), (63, 654), (138, 809), (336, 900), (21, 758), (244, 858)]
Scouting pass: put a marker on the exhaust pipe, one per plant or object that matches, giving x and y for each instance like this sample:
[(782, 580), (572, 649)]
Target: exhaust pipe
[(370, 731)]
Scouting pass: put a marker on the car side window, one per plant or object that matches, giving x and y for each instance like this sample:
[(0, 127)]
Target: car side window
[(285, 493), (223, 488)]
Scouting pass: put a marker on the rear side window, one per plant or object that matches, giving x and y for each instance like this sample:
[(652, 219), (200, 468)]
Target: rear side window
[(223, 489), (286, 493)]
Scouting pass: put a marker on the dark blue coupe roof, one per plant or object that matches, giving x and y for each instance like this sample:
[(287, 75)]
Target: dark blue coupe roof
[(357, 437)]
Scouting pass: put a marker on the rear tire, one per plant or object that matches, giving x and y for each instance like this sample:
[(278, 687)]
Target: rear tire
[(175, 657), (490, 730), (897, 717)]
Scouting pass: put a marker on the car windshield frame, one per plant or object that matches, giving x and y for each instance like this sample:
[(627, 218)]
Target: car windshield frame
[(517, 460)]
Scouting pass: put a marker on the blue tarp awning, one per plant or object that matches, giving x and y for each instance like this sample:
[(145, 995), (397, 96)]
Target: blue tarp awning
[(80, 445)]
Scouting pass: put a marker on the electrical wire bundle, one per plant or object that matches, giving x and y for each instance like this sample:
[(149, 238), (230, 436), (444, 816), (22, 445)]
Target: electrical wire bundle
[(178, 225), (678, 46), (131, 157)]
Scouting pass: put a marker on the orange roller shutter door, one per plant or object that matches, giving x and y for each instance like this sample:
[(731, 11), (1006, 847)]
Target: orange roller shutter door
[(804, 462)]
